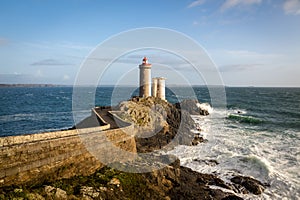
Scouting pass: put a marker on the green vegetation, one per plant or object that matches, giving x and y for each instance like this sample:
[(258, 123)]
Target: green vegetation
[(131, 186)]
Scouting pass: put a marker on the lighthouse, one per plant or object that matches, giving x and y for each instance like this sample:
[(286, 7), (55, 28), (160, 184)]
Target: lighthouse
[(145, 78)]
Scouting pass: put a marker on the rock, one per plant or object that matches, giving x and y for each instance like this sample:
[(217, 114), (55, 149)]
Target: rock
[(165, 123), (197, 140), (232, 197), (73, 197), (171, 182), (18, 190), (103, 189), (89, 192), (193, 185), (55, 193), (210, 162), (190, 105), (87, 198), (193, 107), (49, 190), (34, 196), (60, 194), (251, 185), (115, 181), (204, 108)]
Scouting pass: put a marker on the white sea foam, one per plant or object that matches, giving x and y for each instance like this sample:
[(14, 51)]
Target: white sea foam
[(237, 111), (272, 158), (205, 106)]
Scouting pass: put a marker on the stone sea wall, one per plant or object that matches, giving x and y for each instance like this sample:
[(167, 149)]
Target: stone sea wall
[(60, 154)]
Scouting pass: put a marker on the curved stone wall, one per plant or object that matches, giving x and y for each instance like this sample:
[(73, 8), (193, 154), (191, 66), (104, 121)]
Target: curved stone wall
[(54, 155)]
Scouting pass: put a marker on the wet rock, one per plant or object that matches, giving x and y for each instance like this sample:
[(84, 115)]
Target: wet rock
[(210, 162), (198, 139), (249, 184), (193, 185), (192, 107)]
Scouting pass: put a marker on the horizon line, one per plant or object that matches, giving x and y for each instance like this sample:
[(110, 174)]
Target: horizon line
[(110, 85)]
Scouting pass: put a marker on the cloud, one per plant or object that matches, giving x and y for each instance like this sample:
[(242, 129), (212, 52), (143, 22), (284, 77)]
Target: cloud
[(252, 55), (292, 7), (70, 45), (238, 67), (196, 3), (50, 62), (243, 53), (195, 23), (59, 45), (228, 4)]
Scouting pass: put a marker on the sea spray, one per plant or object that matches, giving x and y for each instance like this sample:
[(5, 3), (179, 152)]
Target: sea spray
[(244, 149), (205, 106)]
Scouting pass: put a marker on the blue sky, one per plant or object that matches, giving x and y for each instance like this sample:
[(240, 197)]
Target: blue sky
[(252, 42)]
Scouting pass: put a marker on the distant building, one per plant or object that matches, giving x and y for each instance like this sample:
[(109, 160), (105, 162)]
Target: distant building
[(158, 83)]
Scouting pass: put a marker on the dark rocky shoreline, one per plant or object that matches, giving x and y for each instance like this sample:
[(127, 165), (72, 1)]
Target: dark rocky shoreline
[(170, 182)]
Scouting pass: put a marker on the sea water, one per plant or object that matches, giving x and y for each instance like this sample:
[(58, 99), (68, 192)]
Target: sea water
[(258, 134)]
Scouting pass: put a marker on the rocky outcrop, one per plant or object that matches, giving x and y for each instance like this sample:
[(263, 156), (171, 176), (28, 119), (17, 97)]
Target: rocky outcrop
[(157, 123), (55, 193), (193, 107), (198, 139), (247, 185), (170, 182)]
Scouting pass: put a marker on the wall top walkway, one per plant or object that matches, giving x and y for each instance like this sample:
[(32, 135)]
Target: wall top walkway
[(108, 120)]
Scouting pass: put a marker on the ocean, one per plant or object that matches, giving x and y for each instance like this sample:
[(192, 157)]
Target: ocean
[(257, 135)]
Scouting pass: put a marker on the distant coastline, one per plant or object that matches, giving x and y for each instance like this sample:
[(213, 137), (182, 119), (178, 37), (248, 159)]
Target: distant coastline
[(31, 85), (168, 85)]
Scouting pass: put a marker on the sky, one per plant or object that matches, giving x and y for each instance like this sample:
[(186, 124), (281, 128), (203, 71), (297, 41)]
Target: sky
[(251, 42)]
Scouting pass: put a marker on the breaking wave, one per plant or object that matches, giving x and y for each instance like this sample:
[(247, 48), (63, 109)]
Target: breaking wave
[(205, 106), (244, 119)]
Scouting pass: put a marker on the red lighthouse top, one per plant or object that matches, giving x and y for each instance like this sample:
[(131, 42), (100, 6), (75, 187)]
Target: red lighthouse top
[(145, 60)]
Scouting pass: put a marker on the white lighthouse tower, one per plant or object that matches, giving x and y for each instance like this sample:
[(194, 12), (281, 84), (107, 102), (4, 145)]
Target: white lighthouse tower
[(145, 78)]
